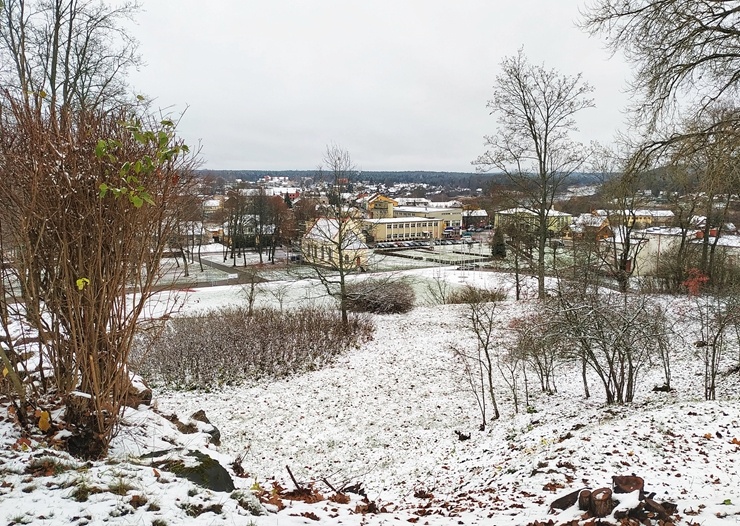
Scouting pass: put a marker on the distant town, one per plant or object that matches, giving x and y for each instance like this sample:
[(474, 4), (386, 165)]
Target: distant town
[(396, 211)]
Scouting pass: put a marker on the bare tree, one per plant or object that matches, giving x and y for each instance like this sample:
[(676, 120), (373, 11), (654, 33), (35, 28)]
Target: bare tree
[(333, 244), (260, 216), (72, 54), (251, 288), (700, 173), (235, 214), (622, 185), (684, 51), (717, 315), (536, 110), (280, 292)]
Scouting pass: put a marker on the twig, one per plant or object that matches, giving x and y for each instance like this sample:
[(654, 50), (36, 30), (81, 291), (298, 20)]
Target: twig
[(295, 482), (330, 486)]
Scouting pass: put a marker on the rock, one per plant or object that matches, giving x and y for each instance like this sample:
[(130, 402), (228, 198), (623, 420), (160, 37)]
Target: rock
[(200, 416), (203, 471), (208, 428), (138, 392)]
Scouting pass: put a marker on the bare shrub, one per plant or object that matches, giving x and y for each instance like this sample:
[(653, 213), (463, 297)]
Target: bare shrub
[(438, 289), (717, 316), (474, 295), (381, 296), (538, 348), (616, 335), (88, 204), (229, 346), (478, 363)]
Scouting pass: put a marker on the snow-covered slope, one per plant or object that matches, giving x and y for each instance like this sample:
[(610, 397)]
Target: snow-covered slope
[(385, 416)]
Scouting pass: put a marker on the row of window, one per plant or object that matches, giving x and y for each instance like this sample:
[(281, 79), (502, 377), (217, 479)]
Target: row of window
[(412, 235), (410, 225)]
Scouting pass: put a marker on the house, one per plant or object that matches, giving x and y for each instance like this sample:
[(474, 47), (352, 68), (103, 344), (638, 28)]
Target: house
[(641, 218), (379, 207), (588, 226), (526, 219), (475, 218), (335, 243), (212, 206), (403, 229), (662, 242)]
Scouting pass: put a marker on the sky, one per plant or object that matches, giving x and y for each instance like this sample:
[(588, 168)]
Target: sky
[(400, 84)]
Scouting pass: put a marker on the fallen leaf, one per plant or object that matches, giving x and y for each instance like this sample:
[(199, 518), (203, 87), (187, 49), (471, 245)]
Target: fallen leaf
[(44, 423)]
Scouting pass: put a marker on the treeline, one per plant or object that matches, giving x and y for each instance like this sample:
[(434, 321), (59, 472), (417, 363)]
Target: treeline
[(389, 178)]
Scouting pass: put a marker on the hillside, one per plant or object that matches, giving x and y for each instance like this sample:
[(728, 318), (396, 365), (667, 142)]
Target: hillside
[(389, 417)]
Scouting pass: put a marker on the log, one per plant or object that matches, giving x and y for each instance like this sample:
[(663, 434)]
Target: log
[(565, 502), (657, 509), (601, 502), (584, 500)]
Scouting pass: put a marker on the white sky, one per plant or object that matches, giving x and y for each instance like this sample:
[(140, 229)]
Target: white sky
[(401, 84)]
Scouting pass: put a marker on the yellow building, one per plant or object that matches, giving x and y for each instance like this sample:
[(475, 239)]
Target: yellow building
[(523, 218), (403, 229), (451, 217), (643, 218), (380, 207)]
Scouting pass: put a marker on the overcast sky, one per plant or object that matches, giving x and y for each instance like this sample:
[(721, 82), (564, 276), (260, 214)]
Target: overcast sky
[(401, 84)]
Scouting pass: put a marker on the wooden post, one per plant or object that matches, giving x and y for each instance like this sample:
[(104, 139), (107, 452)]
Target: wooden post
[(584, 500)]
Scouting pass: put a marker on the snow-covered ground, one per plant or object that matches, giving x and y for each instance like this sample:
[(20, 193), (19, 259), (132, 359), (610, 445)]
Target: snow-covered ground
[(385, 416)]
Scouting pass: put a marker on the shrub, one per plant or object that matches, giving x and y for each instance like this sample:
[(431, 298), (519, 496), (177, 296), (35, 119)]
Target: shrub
[(228, 346), (473, 295), (380, 296)]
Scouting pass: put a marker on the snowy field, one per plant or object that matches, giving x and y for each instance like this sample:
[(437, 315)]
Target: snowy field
[(385, 416)]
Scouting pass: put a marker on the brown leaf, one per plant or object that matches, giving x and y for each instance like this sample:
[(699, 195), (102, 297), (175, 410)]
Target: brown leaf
[(340, 498)]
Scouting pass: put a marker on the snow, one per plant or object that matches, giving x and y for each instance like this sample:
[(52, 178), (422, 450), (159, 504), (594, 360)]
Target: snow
[(385, 415)]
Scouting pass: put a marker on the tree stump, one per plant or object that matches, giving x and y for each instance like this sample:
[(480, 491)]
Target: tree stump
[(601, 502), (584, 500), (628, 484)]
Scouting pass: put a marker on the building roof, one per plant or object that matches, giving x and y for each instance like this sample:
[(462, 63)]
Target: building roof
[(394, 220), (520, 210), (424, 209), (475, 213), (589, 220)]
